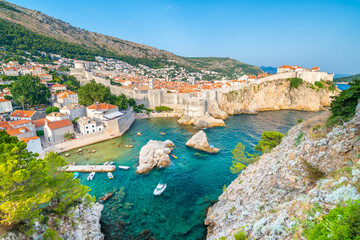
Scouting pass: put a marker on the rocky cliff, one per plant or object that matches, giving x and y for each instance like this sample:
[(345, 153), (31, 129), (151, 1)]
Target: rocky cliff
[(276, 95), (81, 223), (314, 167), (199, 141)]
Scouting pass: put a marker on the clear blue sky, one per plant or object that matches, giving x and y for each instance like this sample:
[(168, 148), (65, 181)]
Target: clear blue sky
[(259, 32)]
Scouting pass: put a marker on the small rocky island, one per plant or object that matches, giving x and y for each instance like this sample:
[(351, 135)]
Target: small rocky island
[(154, 154), (199, 141)]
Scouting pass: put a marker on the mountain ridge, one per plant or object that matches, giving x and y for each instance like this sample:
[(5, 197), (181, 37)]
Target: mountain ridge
[(45, 25)]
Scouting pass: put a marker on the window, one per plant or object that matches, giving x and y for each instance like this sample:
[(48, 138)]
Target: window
[(93, 130), (87, 131), (87, 127)]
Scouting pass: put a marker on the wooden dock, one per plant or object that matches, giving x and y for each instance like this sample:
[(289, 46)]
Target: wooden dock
[(90, 168)]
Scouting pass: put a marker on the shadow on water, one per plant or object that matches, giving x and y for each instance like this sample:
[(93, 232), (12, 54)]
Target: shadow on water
[(194, 179)]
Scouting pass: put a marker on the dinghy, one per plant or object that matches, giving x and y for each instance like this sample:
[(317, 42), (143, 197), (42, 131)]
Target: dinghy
[(76, 175), (160, 188), (111, 163), (110, 175), (91, 176), (124, 167), (106, 163)]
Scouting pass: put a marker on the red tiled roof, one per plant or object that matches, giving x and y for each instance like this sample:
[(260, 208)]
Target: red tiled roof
[(40, 122), (22, 113), (59, 124), (4, 100), (16, 131), (19, 122), (26, 140), (101, 106)]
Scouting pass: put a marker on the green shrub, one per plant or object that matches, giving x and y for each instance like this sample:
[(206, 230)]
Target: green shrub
[(299, 121), (332, 88), (269, 140), (319, 84), (40, 133), (50, 235), (298, 138), (240, 235), (51, 109), (162, 109), (316, 127), (295, 82), (342, 222), (344, 105), (334, 120)]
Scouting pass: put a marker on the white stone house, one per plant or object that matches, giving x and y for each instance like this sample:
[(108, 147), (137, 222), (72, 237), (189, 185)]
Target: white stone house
[(57, 116), (23, 114), (62, 99), (5, 105), (58, 87), (33, 144), (28, 125), (87, 125), (74, 110), (55, 131), (98, 110)]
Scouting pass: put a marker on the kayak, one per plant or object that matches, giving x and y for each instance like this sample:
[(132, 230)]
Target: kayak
[(162, 133), (128, 146), (91, 176), (110, 175), (160, 188), (76, 175), (173, 156)]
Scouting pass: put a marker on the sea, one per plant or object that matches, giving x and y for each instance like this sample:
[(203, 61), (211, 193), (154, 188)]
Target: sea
[(195, 179), (343, 86)]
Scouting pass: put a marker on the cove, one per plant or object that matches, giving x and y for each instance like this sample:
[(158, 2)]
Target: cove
[(194, 179)]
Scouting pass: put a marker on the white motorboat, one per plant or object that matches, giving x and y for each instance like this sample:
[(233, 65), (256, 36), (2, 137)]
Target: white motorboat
[(160, 188), (124, 167), (91, 176), (110, 175), (111, 163), (106, 163)]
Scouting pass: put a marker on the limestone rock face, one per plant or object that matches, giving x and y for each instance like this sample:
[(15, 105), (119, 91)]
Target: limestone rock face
[(275, 95), (205, 121), (84, 224), (199, 141), (269, 194), (215, 111), (154, 154)]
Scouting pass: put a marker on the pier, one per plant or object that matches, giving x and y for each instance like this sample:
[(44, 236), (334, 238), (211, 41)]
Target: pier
[(90, 168)]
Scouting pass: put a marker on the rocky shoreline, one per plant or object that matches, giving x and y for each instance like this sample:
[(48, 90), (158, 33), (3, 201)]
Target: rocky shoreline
[(267, 200)]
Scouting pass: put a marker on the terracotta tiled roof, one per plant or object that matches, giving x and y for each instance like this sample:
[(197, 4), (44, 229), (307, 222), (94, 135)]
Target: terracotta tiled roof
[(5, 126), (40, 122), (19, 122), (4, 100), (101, 106), (26, 140), (22, 113), (59, 124), (17, 131)]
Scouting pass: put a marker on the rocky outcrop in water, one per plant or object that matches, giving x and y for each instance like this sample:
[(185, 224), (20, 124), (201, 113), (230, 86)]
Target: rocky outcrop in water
[(302, 173), (154, 154), (276, 95), (81, 223), (205, 121), (199, 141), (215, 111)]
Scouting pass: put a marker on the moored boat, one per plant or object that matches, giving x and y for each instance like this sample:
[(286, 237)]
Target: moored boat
[(111, 163), (91, 176), (110, 175), (124, 167), (162, 133), (76, 175), (160, 188), (106, 163), (173, 156), (139, 133), (106, 197), (128, 146)]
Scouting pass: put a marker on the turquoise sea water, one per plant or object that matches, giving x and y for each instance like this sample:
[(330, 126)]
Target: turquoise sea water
[(343, 86), (194, 180)]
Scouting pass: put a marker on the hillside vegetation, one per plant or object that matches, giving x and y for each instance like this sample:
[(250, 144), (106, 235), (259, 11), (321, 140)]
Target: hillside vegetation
[(85, 44), (347, 79)]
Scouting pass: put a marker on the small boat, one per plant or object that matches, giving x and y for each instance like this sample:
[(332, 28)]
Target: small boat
[(91, 176), (160, 188), (111, 163), (139, 133), (173, 156), (76, 175), (124, 167), (162, 133), (106, 197), (106, 163), (129, 146), (110, 175)]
